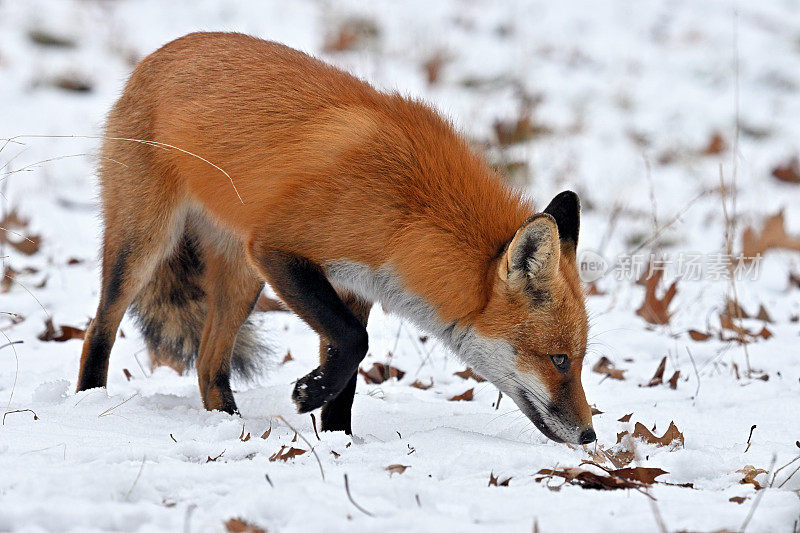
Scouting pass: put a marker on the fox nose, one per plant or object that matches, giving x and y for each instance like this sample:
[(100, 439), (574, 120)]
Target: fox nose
[(587, 436)]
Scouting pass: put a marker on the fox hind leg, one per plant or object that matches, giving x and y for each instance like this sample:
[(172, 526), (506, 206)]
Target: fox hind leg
[(130, 254), (233, 288)]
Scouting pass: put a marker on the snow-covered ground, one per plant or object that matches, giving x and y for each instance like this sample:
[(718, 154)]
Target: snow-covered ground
[(627, 98)]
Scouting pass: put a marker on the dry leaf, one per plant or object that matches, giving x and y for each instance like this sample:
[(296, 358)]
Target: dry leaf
[(592, 290), (268, 432), (773, 235), (466, 396), (605, 366), (726, 322), (64, 333), (595, 411), (468, 373), (668, 438), (433, 67), (9, 275), (420, 385), (380, 373), (128, 375), (763, 314), (640, 473), (658, 377), (789, 172), (764, 333), (288, 357), (750, 473), (351, 34), (237, 525), (517, 131), (625, 418), (495, 481), (589, 480), (289, 453), (396, 469), (656, 310), (737, 499), (716, 145), (673, 381), (699, 336)]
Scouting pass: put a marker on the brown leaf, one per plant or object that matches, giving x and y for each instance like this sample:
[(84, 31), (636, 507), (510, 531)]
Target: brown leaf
[(396, 469), (466, 396), (128, 375), (772, 235), (380, 373), (351, 34), (670, 436), (420, 385), (656, 310), (589, 480), (595, 411), (468, 373), (641, 474), (266, 304), (673, 381), (25, 245), (433, 67), (625, 418), (495, 481), (764, 333), (699, 336), (763, 314), (726, 322), (658, 377), (788, 172), (517, 131), (289, 453), (64, 333), (237, 525), (737, 499), (750, 473), (592, 290), (9, 276), (716, 145), (605, 366), (288, 357)]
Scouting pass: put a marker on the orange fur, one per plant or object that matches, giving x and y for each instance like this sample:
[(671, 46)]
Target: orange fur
[(328, 169)]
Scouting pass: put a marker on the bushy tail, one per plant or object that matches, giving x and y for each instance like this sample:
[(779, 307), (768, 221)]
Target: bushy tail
[(171, 311)]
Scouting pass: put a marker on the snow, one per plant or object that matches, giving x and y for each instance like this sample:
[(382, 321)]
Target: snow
[(622, 85)]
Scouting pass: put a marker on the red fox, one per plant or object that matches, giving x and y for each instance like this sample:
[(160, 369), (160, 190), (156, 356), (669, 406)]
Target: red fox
[(263, 164)]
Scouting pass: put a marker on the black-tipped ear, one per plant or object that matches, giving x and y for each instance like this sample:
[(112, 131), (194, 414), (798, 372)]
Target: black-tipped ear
[(533, 253), (566, 209)]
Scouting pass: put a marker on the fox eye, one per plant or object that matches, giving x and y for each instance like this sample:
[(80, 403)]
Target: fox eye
[(561, 362)]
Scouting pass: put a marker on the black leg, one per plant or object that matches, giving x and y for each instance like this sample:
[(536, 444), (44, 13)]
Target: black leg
[(302, 285), (336, 414)]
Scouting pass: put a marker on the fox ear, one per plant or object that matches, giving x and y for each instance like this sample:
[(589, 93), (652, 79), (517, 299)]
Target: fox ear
[(534, 252), (566, 210)]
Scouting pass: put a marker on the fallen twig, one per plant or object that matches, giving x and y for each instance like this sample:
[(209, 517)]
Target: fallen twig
[(350, 497)]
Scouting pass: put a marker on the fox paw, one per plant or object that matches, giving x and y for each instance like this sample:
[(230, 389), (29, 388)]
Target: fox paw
[(312, 391)]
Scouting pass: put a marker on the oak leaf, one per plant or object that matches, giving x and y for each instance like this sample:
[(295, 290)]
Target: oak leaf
[(654, 309), (466, 396)]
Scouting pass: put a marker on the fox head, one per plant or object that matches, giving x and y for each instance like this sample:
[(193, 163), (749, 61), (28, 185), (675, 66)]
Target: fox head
[(534, 324)]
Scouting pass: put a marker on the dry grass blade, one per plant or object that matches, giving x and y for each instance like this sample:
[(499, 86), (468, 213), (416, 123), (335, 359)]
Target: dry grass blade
[(350, 497), (313, 451)]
